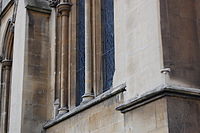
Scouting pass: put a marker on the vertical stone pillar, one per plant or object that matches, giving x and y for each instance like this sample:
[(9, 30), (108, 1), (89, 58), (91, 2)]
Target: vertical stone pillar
[(56, 105), (88, 52), (6, 73), (64, 9)]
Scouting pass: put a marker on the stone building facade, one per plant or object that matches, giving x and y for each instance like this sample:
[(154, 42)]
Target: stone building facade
[(93, 66)]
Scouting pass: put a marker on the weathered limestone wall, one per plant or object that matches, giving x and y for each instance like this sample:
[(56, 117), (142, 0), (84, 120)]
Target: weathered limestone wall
[(97, 119), (139, 59), (183, 114), (180, 36), (138, 52), (150, 118), (138, 63), (37, 69)]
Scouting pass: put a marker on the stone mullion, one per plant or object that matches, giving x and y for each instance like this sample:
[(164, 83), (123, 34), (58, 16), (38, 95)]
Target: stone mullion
[(64, 64), (98, 47), (93, 38), (64, 10), (58, 59), (5, 94), (88, 52), (72, 57), (57, 89), (93, 49), (3, 104)]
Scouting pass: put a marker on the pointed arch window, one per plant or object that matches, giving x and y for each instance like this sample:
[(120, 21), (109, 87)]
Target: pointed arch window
[(7, 53)]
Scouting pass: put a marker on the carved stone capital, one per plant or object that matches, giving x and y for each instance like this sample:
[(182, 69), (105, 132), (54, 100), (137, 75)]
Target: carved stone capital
[(64, 8), (6, 63)]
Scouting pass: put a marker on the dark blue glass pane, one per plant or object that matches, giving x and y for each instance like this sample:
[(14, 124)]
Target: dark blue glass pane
[(108, 43), (80, 75)]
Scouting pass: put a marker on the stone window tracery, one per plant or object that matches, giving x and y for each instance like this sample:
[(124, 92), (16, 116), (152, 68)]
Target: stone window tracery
[(99, 44), (94, 59)]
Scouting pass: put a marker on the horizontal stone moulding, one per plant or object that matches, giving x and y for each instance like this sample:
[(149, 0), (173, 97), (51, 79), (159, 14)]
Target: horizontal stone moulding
[(102, 97), (157, 93)]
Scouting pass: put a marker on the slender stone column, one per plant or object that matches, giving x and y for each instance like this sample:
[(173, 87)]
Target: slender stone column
[(88, 52), (6, 72), (94, 45), (64, 9)]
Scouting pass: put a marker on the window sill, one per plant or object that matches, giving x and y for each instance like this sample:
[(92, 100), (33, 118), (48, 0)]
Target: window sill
[(104, 96)]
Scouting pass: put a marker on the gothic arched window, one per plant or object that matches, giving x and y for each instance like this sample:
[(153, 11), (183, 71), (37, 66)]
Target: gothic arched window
[(7, 53)]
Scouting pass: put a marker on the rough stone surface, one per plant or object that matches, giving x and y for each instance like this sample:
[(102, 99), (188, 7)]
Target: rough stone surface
[(180, 36), (183, 115), (97, 119), (42, 4), (36, 74), (150, 118), (138, 45)]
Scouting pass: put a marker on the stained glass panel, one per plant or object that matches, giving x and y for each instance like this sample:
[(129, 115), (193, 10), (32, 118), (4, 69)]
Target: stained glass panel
[(108, 43), (80, 50)]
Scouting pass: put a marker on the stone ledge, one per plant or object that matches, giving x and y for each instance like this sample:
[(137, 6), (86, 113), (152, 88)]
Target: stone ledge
[(104, 96), (159, 92)]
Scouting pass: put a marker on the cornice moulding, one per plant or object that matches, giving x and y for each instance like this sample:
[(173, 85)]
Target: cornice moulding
[(159, 92)]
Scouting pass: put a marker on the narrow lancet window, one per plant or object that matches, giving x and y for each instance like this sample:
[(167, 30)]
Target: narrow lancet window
[(108, 43), (80, 76)]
